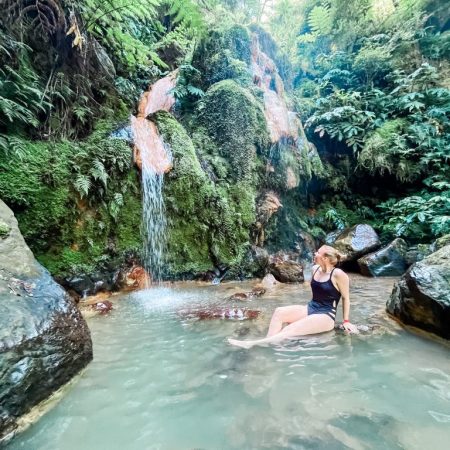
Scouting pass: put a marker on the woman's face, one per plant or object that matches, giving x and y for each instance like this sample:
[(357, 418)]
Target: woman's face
[(319, 256)]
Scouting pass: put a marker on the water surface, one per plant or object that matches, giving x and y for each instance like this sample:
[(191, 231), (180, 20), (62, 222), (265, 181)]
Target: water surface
[(160, 380)]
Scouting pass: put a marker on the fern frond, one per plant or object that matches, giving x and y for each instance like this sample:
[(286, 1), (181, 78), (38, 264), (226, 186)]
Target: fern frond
[(320, 20), (98, 172), (82, 185)]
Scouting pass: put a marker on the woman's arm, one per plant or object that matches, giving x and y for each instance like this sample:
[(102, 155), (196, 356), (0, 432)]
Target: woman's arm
[(343, 285)]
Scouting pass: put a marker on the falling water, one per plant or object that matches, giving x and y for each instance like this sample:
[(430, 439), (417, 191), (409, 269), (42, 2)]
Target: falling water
[(154, 222), (153, 218), (154, 158)]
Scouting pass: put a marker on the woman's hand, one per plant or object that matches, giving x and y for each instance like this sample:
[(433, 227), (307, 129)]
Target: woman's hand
[(350, 328)]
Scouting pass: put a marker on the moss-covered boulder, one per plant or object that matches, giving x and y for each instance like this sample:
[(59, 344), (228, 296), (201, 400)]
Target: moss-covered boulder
[(44, 341), (235, 120), (224, 55), (208, 221)]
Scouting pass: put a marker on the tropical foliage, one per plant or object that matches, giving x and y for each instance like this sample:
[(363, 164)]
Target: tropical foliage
[(373, 87)]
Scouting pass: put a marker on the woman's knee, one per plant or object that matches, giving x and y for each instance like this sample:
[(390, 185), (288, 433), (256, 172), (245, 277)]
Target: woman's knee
[(281, 311), (289, 314)]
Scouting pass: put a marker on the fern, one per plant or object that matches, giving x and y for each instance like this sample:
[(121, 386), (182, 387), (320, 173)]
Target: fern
[(115, 205), (320, 20), (98, 172), (82, 185)]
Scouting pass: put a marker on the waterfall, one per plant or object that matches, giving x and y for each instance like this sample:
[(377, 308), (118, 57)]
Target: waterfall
[(154, 158), (153, 217)]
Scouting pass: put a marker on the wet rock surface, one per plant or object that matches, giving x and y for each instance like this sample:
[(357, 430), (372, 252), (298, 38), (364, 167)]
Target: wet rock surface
[(44, 341), (422, 296), (355, 241), (287, 271), (257, 261), (388, 261), (305, 246)]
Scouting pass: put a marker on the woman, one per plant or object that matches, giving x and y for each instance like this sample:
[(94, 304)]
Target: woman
[(329, 284)]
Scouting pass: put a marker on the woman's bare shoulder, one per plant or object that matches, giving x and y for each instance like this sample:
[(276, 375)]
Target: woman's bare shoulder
[(339, 273)]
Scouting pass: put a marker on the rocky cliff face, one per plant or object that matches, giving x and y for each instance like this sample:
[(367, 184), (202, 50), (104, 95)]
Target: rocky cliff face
[(44, 341)]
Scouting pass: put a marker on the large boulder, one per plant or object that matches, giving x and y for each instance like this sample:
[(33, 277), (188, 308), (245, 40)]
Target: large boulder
[(44, 341), (422, 296), (355, 241), (286, 270), (388, 261)]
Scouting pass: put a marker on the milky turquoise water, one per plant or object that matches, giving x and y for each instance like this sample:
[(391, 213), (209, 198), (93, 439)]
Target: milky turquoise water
[(160, 380)]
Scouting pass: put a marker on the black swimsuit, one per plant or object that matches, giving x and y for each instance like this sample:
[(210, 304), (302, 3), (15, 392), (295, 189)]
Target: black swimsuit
[(325, 297)]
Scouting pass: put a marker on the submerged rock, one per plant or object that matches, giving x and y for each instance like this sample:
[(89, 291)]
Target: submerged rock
[(44, 341), (221, 313), (388, 261), (257, 291), (422, 296), (355, 241)]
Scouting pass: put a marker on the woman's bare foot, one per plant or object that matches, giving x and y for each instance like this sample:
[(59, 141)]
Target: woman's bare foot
[(242, 344)]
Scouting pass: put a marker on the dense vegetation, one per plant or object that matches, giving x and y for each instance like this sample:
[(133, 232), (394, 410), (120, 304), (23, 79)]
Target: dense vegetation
[(372, 83), (370, 80)]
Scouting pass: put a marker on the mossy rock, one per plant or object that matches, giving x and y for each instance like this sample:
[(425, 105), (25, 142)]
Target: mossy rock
[(208, 222), (69, 231), (235, 120), (224, 54)]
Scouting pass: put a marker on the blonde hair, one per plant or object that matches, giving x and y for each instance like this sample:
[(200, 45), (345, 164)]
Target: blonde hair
[(333, 255)]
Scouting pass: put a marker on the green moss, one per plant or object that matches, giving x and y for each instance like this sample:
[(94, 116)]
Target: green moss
[(235, 121), (78, 204), (208, 220), (224, 54)]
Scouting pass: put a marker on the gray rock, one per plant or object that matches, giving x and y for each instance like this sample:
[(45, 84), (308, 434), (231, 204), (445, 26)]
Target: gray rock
[(257, 261), (330, 238), (441, 242), (44, 341), (417, 253), (422, 296), (356, 241), (388, 261), (305, 245)]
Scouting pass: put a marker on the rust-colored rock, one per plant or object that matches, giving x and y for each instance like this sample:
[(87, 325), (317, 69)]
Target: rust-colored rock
[(280, 122), (257, 291), (133, 278), (221, 313), (147, 140), (103, 307)]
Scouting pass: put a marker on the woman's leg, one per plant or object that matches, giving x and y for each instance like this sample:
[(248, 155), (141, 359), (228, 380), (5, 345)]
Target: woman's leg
[(313, 324), (285, 314)]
